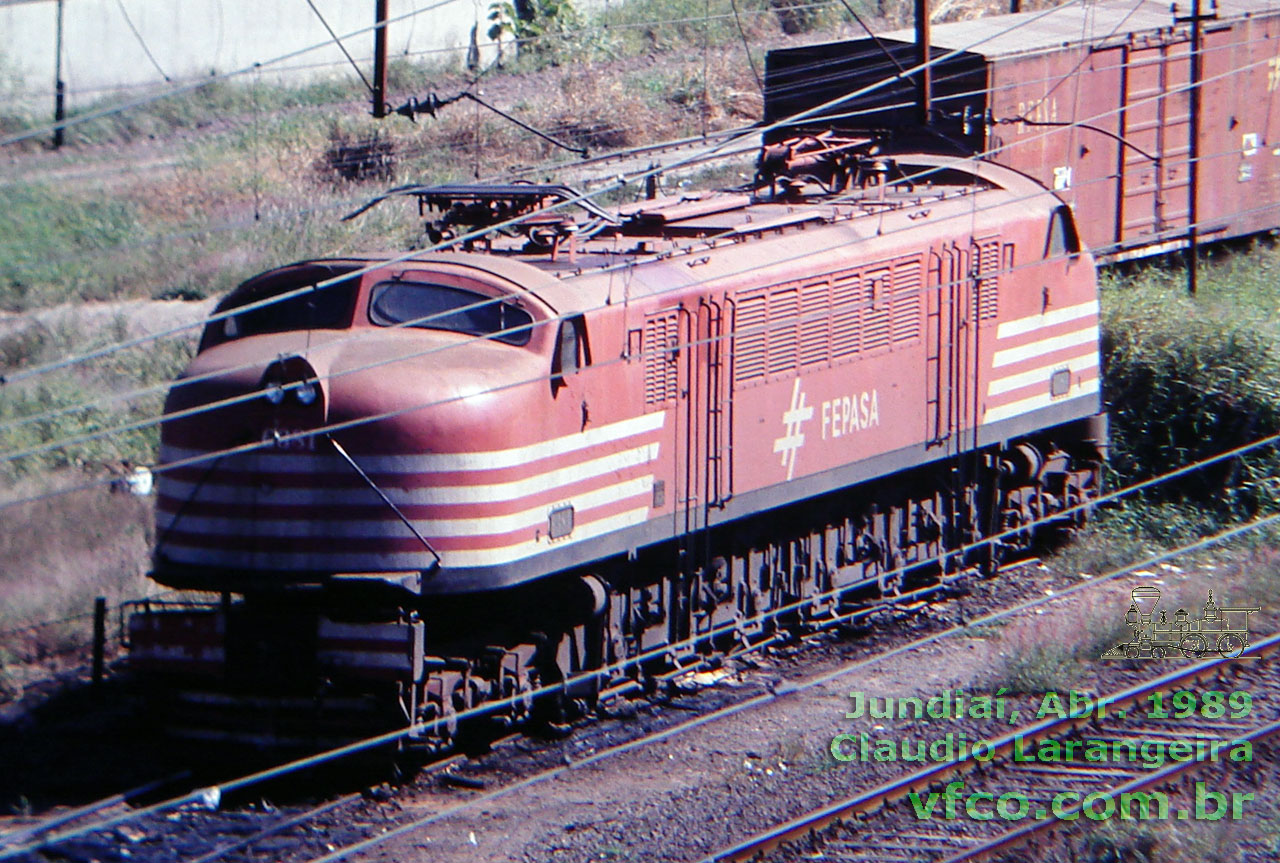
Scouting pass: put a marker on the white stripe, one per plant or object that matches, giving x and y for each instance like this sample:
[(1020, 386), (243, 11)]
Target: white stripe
[(1036, 402), (1089, 335), (247, 495), (435, 462), (406, 560), (390, 526), (1009, 329), (1041, 375)]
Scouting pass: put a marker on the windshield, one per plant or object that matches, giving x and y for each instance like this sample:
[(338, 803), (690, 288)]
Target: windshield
[(441, 307), (329, 308)]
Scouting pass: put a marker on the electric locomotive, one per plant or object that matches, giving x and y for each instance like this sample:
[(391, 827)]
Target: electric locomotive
[(594, 445)]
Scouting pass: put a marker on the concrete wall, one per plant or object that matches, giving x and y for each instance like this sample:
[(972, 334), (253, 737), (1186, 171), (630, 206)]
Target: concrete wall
[(193, 38)]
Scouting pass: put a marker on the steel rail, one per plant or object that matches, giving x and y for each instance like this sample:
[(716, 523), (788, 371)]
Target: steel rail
[(1025, 834), (890, 792), (31, 832), (775, 693)]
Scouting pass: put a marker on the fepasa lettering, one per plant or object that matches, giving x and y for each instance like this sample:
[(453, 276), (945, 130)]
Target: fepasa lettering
[(852, 413)]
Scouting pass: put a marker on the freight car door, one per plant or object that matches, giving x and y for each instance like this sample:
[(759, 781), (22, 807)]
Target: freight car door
[(1156, 122)]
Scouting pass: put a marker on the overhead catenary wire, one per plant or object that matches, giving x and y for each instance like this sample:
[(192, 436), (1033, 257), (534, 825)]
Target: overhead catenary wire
[(27, 371), (816, 110), (191, 84), (250, 396), (197, 84), (400, 357), (343, 48), (206, 457), (786, 690), (746, 46), (119, 248), (47, 446), (142, 42), (354, 336), (532, 40), (247, 447)]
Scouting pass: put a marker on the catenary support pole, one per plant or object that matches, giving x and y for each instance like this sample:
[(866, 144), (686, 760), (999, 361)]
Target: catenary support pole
[(380, 59), (59, 86), (99, 639), (924, 81)]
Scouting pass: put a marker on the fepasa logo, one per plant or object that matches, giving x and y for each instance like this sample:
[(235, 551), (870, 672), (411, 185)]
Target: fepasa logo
[(793, 420)]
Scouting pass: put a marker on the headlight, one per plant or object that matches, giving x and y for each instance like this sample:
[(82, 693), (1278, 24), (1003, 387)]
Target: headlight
[(275, 394), (306, 393)]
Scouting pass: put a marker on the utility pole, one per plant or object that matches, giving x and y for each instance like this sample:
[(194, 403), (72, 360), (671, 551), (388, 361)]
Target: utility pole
[(59, 87), (924, 79), (380, 59), (1193, 149)]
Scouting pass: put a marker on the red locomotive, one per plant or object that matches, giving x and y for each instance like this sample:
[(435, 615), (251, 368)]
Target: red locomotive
[(426, 485), (433, 483)]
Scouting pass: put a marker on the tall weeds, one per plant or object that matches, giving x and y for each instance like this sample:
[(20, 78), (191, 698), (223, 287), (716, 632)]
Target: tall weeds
[(1186, 378)]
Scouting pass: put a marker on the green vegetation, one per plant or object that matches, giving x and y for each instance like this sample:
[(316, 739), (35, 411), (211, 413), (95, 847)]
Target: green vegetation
[(1052, 652), (1188, 377), (37, 227), (95, 380), (246, 178)]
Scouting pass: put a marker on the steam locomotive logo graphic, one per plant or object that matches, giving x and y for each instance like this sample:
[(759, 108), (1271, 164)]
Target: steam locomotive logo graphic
[(1217, 629)]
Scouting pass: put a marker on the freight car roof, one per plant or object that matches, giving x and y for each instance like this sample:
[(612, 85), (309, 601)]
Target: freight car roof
[(1094, 23)]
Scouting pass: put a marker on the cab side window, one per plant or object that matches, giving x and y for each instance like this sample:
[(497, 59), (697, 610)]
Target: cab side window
[(572, 352), (1063, 239)]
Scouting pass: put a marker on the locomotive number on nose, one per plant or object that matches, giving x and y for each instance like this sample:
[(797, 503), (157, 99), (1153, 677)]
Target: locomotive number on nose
[(293, 440)]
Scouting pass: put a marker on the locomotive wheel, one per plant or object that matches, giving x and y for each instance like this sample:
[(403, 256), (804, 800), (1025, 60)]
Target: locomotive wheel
[(1194, 646), (1230, 645)]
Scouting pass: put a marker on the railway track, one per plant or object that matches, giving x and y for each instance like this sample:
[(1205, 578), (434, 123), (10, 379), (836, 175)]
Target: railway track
[(193, 826), (1039, 779), (196, 832)]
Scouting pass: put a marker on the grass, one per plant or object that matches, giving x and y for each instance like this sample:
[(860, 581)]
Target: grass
[(187, 196), (1051, 652), (1186, 378), (56, 555), (119, 372), (241, 181)]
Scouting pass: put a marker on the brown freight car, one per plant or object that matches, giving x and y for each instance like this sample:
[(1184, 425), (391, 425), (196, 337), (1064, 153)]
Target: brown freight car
[(1093, 101)]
